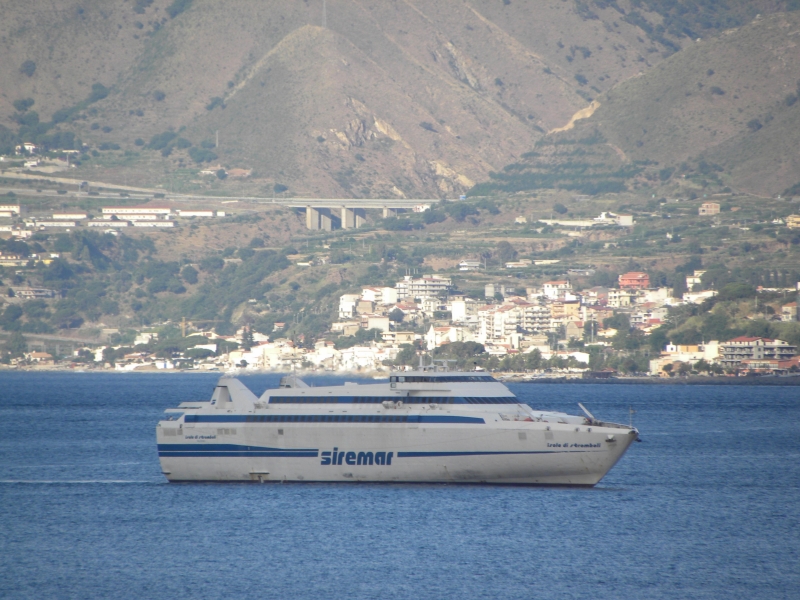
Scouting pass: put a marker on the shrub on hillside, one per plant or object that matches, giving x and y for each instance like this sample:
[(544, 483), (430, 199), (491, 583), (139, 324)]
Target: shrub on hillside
[(214, 103), (23, 104), (177, 7), (199, 155), (158, 95), (99, 91), (754, 124), (28, 68), (161, 140)]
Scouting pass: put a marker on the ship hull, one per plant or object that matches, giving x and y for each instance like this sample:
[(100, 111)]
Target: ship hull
[(522, 453)]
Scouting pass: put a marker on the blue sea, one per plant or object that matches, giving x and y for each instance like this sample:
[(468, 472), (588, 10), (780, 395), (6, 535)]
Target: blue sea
[(708, 506)]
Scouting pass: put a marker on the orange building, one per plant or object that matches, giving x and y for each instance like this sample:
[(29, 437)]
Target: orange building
[(634, 281)]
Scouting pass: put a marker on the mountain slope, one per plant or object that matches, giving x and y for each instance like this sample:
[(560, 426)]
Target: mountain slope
[(726, 110), (724, 99), (413, 97)]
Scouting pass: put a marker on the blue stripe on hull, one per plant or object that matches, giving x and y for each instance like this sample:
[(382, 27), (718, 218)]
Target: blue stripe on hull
[(470, 453), (228, 448), (211, 453), (324, 419)]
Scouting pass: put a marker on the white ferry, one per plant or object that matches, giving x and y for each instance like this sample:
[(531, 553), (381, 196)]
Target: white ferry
[(429, 425)]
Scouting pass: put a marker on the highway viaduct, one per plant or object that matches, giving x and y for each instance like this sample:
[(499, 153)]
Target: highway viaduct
[(321, 213)]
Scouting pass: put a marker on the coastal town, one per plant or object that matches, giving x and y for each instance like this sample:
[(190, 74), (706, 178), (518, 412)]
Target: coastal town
[(552, 330)]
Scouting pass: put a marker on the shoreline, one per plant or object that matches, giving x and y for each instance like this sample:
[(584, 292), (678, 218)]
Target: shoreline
[(767, 380)]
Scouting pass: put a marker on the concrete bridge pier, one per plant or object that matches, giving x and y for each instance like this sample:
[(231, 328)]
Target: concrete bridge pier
[(319, 219), (325, 219), (312, 218), (389, 212), (353, 217)]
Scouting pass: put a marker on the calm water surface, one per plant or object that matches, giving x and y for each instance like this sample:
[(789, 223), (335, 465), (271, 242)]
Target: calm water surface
[(707, 507)]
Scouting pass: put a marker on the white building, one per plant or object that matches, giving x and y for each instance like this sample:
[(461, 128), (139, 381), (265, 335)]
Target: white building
[(103, 223), (380, 295), (378, 322), (195, 213), (437, 336), (555, 290), (695, 279), (698, 297), (127, 211), (464, 310), (154, 224), (621, 298), (347, 305), (429, 285), (56, 223)]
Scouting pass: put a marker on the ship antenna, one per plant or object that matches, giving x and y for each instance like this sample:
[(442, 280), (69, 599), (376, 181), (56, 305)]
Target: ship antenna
[(631, 412)]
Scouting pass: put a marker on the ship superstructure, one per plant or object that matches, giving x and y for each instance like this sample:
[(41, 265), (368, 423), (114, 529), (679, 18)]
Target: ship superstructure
[(429, 425)]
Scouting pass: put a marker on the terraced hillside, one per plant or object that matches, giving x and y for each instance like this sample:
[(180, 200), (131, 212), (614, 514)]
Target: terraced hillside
[(414, 98), (726, 109)]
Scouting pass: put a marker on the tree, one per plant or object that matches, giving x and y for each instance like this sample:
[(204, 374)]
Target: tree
[(667, 369), (189, 274), (684, 369), (16, 345), (702, 366), (222, 174), (506, 252), (158, 95), (679, 287), (560, 208), (407, 355), (247, 339), (396, 315)]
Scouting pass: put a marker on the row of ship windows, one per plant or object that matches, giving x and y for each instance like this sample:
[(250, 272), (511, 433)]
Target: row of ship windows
[(380, 399), (441, 379), (327, 419)]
